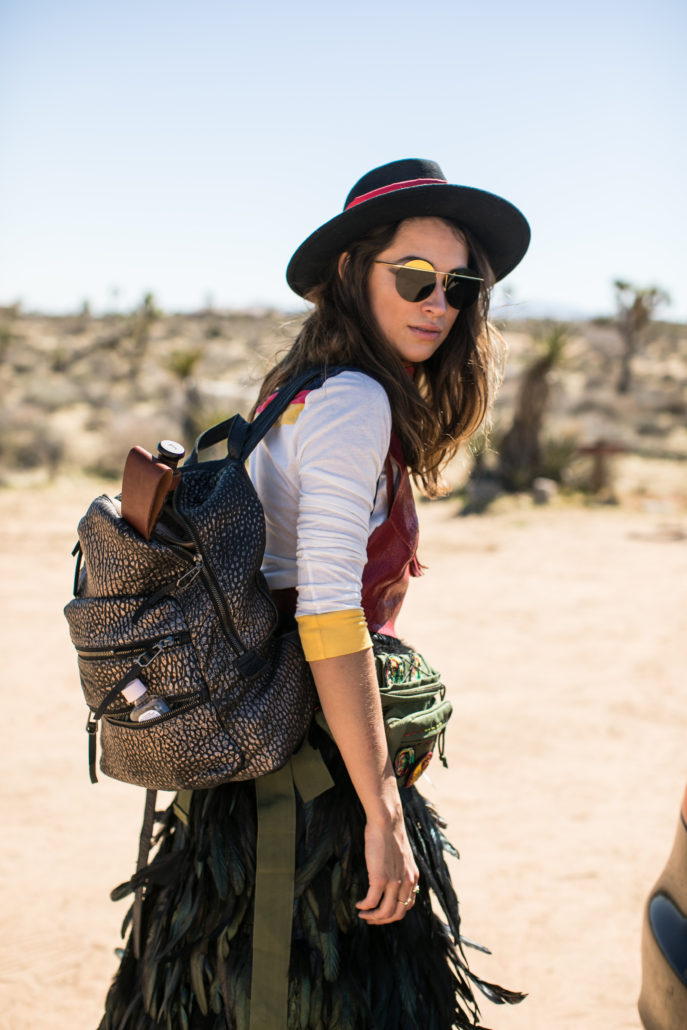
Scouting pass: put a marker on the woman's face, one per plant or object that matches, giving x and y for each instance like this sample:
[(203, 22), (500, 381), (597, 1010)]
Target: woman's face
[(416, 330)]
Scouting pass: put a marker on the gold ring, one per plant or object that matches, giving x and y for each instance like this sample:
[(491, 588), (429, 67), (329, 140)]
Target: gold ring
[(411, 896)]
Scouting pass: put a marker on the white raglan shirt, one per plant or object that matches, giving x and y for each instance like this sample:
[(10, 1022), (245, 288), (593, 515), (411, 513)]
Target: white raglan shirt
[(320, 476)]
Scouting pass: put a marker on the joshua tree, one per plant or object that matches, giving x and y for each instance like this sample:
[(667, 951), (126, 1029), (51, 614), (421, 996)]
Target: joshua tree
[(520, 451), (146, 314), (183, 364), (636, 306)]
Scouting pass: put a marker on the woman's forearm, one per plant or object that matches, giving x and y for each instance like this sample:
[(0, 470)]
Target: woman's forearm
[(350, 701), (349, 695)]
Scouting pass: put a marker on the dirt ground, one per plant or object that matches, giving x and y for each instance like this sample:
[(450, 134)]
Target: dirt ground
[(561, 634)]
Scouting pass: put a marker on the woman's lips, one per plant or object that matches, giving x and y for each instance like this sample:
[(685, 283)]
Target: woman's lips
[(426, 332)]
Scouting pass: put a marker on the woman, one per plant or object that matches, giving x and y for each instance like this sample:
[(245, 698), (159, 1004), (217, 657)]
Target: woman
[(400, 284)]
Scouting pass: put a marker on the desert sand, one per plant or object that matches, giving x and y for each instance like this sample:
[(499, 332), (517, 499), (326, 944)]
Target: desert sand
[(561, 635)]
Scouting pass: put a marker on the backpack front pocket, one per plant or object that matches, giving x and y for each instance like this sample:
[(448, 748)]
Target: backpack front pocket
[(187, 748), (115, 639)]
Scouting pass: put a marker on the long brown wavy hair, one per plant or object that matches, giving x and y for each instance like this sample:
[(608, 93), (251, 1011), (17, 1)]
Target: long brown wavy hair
[(450, 394)]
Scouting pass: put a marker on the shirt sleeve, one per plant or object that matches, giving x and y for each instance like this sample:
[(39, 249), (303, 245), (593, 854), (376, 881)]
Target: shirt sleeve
[(341, 442), (333, 633)]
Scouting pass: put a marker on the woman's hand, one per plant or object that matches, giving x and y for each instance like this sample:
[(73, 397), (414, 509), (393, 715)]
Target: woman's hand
[(391, 872), (349, 694)]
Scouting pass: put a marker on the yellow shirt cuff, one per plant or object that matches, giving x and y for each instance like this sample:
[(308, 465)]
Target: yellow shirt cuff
[(333, 633)]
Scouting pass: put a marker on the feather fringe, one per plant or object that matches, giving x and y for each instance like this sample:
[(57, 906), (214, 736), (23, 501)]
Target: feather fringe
[(197, 920)]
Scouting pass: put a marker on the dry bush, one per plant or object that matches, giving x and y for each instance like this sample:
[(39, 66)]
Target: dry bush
[(50, 395), (96, 386), (29, 441), (123, 431)]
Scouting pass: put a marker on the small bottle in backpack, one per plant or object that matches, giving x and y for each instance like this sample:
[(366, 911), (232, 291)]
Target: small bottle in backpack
[(170, 453), (146, 705)]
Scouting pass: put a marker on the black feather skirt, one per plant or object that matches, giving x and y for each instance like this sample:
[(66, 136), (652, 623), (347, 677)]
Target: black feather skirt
[(194, 970)]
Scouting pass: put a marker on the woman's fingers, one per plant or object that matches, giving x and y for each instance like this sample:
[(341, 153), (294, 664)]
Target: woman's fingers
[(392, 872), (374, 895), (397, 899), (387, 904)]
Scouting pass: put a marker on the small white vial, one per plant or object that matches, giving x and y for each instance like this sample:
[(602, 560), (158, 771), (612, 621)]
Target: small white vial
[(146, 705)]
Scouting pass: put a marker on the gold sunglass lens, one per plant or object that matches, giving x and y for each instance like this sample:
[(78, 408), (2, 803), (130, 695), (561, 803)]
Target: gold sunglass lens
[(416, 280)]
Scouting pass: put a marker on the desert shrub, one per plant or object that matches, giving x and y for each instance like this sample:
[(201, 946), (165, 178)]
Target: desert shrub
[(28, 441), (60, 358), (50, 395), (653, 428), (107, 465), (124, 430), (182, 363), (596, 405), (54, 451), (24, 363), (5, 341), (558, 453)]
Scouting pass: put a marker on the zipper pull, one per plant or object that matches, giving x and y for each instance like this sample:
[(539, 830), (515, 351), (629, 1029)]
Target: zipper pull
[(441, 742), (151, 654), (167, 589), (92, 731), (78, 554), (186, 578)]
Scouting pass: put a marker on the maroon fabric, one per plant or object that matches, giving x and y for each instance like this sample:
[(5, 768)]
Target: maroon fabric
[(391, 555)]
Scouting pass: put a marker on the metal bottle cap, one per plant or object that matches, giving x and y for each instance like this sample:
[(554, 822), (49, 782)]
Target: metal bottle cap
[(170, 452)]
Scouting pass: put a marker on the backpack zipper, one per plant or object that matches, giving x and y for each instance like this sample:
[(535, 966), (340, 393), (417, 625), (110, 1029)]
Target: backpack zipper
[(248, 661), (144, 659), (141, 646), (192, 701)]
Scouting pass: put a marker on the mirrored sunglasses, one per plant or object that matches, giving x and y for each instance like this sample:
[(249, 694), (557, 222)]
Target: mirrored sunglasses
[(416, 279)]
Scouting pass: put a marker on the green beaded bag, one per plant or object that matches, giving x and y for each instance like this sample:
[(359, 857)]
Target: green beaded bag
[(415, 709), (414, 706)]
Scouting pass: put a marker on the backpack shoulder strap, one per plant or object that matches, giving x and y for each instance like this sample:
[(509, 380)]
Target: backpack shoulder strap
[(236, 430), (243, 437), (313, 377)]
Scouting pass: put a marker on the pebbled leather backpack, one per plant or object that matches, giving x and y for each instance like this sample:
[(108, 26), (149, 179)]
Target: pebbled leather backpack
[(188, 612)]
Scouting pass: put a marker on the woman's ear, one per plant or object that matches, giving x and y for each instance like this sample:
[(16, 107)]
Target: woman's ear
[(343, 261)]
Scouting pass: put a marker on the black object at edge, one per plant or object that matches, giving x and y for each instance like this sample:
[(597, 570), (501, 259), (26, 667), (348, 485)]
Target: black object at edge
[(669, 927)]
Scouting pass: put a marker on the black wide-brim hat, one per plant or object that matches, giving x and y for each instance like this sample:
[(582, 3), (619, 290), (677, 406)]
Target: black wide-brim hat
[(412, 188)]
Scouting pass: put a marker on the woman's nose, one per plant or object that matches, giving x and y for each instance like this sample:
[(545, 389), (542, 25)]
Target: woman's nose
[(437, 298)]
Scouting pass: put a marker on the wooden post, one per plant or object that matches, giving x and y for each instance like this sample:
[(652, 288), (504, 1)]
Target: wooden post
[(600, 452)]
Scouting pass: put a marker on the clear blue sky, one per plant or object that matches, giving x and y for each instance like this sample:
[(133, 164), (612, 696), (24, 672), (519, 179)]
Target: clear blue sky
[(188, 148)]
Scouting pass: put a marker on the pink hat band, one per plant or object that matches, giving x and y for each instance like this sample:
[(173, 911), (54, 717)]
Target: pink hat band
[(392, 188)]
